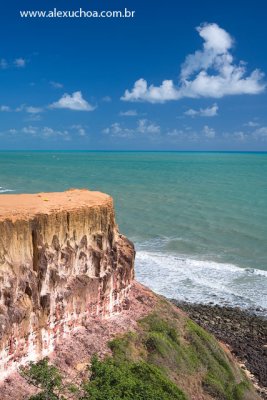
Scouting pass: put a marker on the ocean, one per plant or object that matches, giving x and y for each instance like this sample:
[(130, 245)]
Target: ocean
[(198, 220)]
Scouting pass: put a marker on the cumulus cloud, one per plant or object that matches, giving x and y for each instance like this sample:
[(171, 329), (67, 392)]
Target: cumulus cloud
[(5, 108), (81, 132), (56, 85), (143, 126), (186, 134), (209, 72), (32, 130), (3, 63), (240, 136), (252, 124), (260, 133), (203, 112), (46, 132), (28, 109), (74, 101), (33, 110), (209, 132), (152, 94), (17, 63), (22, 107), (20, 62), (129, 113), (254, 133), (79, 129), (107, 99), (118, 130)]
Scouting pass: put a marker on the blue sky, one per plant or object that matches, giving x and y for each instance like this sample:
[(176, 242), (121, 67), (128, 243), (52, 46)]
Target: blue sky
[(179, 76)]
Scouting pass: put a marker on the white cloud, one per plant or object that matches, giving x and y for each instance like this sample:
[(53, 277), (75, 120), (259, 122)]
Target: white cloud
[(75, 102), (3, 64), (17, 63), (209, 72), (33, 118), (260, 133), (20, 62), (252, 124), (5, 108), (176, 133), (12, 131), (32, 130), (217, 42), (117, 130), (82, 132), (143, 126), (209, 132), (23, 107), (46, 132), (33, 110), (152, 94), (186, 134), (240, 136), (203, 112), (79, 129), (129, 113), (20, 108), (107, 99), (50, 132), (56, 85)]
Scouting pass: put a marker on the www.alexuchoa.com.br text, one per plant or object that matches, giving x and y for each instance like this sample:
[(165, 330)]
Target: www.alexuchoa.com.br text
[(79, 13)]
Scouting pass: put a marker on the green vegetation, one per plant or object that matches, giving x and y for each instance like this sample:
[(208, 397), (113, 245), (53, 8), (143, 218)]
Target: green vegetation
[(219, 380), (109, 380), (46, 378), (169, 357), (129, 380)]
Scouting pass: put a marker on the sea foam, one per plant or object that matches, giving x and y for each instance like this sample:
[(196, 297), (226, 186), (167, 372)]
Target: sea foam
[(201, 281)]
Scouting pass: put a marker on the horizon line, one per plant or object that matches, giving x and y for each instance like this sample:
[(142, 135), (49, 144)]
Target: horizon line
[(131, 151)]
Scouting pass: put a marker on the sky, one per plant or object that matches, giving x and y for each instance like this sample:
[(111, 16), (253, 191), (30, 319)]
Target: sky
[(177, 76)]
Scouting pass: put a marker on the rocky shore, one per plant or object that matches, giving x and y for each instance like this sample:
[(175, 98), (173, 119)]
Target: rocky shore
[(243, 333)]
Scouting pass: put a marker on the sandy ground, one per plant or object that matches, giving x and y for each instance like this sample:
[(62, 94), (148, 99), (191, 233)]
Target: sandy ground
[(23, 206)]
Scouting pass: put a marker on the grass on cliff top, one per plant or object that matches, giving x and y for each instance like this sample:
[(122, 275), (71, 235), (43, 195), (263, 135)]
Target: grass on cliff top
[(169, 357)]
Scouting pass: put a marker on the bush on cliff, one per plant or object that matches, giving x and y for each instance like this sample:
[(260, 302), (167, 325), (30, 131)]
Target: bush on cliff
[(129, 380), (168, 357), (109, 380), (44, 377)]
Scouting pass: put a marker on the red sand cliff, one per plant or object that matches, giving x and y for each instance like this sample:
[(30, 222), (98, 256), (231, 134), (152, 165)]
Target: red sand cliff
[(62, 262)]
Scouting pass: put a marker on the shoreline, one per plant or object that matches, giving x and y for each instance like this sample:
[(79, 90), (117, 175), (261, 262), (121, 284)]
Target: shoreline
[(245, 335)]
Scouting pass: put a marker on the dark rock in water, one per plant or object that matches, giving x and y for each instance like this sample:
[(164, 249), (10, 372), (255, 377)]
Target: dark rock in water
[(245, 333)]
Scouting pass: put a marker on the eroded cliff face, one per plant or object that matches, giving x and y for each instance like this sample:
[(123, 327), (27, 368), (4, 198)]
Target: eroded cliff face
[(62, 260)]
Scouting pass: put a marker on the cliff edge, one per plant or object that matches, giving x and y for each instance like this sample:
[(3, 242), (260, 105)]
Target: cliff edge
[(62, 261)]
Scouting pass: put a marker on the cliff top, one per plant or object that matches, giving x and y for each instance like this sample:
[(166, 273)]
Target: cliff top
[(21, 206)]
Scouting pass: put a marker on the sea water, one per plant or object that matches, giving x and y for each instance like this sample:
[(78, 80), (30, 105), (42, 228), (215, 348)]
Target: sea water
[(198, 220)]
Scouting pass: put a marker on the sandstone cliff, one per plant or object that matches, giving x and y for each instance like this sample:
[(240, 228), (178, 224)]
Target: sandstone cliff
[(62, 261)]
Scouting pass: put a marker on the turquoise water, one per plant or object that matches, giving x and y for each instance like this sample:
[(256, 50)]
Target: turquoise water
[(199, 220)]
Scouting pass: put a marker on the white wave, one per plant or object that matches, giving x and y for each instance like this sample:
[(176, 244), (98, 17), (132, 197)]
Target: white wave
[(3, 190), (200, 281)]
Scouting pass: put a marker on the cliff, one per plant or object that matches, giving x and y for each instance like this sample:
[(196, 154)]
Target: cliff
[(62, 261), (67, 291)]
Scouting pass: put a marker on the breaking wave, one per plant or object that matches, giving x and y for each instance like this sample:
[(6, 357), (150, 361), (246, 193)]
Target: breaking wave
[(200, 281)]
